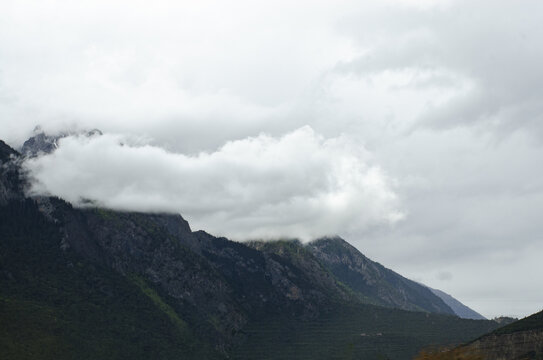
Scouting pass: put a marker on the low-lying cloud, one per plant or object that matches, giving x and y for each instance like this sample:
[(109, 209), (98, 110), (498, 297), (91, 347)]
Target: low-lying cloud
[(297, 185)]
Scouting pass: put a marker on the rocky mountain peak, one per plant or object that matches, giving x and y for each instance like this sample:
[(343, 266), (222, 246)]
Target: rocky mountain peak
[(40, 143), (44, 143)]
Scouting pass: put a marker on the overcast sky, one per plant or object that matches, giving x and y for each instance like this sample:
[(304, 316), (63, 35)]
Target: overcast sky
[(412, 128)]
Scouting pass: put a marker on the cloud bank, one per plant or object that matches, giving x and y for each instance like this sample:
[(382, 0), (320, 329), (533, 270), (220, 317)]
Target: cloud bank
[(297, 185)]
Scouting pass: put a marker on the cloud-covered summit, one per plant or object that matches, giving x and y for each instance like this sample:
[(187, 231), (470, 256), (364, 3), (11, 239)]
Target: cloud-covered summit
[(297, 185)]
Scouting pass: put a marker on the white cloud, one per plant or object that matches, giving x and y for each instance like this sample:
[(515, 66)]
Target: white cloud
[(298, 185)]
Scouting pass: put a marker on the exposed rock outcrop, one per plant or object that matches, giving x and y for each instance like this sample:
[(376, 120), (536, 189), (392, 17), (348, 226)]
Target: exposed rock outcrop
[(372, 281)]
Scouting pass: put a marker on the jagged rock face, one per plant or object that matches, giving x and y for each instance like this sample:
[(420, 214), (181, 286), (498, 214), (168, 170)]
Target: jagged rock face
[(293, 268), (161, 249), (40, 144), (215, 278), (372, 281)]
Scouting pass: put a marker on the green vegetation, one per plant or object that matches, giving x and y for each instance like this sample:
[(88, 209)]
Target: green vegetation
[(107, 215), (160, 304)]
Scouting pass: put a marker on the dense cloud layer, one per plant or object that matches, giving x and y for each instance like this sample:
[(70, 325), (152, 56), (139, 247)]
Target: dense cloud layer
[(444, 95), (298, 185)]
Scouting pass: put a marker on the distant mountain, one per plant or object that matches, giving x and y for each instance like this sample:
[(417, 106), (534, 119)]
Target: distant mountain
[(93, 283), (459, 309)]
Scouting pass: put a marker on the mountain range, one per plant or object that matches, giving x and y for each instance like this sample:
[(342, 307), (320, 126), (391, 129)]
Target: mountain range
[(93, 283)]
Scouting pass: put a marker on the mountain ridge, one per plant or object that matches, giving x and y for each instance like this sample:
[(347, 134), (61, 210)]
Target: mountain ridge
[(459, 309), (211, 297), (365, 276), (372, 279)]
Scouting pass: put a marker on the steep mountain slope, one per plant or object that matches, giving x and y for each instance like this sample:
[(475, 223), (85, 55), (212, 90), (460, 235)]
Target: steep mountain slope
[(459, 309), (372, 281), (93, 283)]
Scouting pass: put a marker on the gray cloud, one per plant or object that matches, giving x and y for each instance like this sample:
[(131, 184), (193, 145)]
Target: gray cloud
[(489, 52)]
